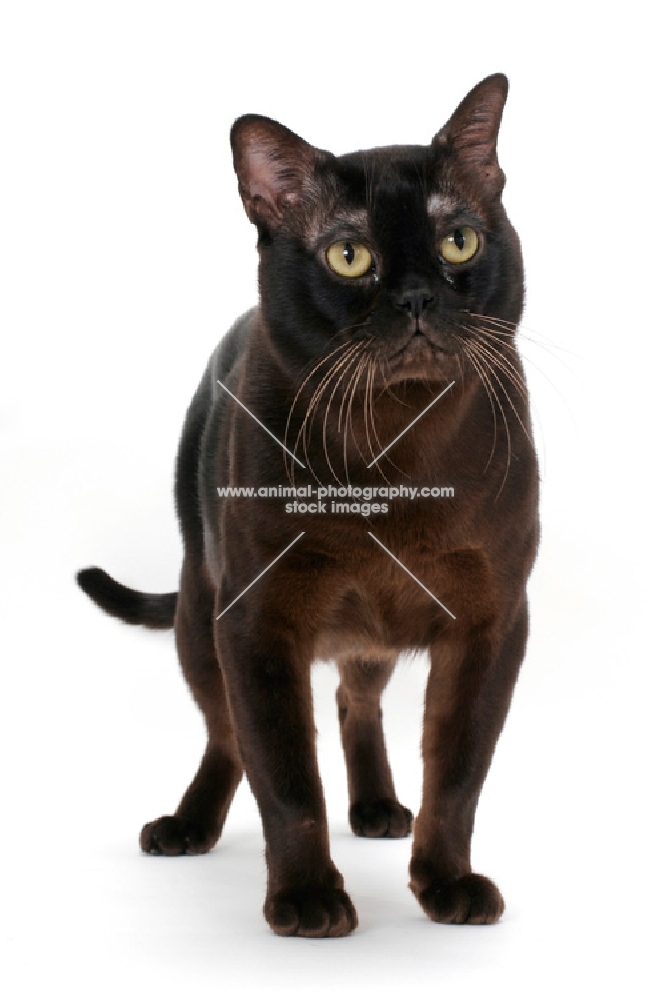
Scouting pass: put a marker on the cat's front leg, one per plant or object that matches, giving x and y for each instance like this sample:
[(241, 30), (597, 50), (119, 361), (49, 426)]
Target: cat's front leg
[(266, 651), (468, 694)]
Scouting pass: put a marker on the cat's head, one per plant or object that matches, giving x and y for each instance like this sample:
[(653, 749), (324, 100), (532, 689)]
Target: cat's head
[(403, 248)]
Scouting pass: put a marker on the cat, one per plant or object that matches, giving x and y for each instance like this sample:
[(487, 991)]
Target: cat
[(381, 355)]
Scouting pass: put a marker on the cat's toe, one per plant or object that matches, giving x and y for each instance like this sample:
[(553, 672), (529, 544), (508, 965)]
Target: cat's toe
[(471, 899), (172, 836), (380, 818), (311, 911)]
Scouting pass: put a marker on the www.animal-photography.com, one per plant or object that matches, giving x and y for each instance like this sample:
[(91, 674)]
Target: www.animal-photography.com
[(332, 533)]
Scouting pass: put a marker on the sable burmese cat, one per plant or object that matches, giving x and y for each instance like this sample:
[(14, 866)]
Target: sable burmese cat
[(385, 275)]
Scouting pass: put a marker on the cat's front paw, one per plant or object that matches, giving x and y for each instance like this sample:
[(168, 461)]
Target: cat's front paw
[(470, 899), (380, 818), (311, 911), (172, 836)]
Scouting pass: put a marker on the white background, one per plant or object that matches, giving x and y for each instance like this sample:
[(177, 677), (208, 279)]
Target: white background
[(125, 254)]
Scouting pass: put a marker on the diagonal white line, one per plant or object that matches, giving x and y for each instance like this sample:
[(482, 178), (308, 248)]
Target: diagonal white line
[(259, 577), (263, 425), (410, 425), (409, 573)]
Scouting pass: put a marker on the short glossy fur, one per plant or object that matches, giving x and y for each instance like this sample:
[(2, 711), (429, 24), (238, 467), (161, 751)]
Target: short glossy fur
[(337, 367)]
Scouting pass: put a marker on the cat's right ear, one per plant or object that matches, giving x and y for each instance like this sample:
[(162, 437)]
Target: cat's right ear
[(274, 166)]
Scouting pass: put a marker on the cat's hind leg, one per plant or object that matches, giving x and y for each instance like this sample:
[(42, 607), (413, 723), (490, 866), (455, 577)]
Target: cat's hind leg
[(374, 810), (197, 823)]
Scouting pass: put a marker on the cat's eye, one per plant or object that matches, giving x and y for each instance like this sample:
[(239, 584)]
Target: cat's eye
[(460, 245), (349, 259)]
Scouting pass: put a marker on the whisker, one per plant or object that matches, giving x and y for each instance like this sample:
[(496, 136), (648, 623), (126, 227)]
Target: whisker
[(513, 374), (306, 374), (350, 329), (495, 320), (375, 365), (323, 384), (483, 379), (346, 401), (349, 423), (291, 471), (350, 362), (347, 390), (387, 386), (491, 369), (461, 367), (525, 357), (483, 367), (365, 410), (305, 432), (508, 328), (368, 413), (372, 409), (313, 402)]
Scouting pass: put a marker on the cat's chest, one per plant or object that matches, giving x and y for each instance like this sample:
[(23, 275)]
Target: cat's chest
[(407, 599)]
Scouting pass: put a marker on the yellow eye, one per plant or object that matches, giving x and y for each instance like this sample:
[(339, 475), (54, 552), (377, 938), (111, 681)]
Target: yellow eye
[(460, 245), (349, 259)]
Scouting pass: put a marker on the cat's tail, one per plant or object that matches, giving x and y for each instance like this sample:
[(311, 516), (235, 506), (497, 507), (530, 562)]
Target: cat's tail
[(131, 606)]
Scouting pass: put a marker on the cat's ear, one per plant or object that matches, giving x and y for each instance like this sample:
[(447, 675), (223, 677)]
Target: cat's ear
[(470, 135), (275, 168)]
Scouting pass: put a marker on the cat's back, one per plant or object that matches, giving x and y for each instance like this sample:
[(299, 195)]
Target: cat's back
[(224, 362), (205, 418)]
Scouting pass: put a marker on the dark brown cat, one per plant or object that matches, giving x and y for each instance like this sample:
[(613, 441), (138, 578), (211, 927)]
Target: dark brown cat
[(386, 276)]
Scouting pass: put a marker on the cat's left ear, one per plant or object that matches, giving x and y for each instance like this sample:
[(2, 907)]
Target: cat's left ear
[(470, 135), (275, 168)]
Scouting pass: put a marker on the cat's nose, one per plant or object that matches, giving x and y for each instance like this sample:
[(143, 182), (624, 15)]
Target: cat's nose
[(415, 301)]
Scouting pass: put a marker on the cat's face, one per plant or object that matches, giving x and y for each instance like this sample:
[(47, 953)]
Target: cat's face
[(402, 248)]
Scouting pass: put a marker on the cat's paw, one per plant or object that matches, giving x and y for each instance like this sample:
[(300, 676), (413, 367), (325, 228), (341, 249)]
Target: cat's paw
[(380, 818), (471, 899), (171, 836), (311, 911)]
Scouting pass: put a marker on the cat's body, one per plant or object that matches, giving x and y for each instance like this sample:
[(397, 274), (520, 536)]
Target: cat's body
[(384, 276)]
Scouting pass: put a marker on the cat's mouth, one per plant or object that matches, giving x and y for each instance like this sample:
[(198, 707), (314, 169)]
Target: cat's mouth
[(418, 358)]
